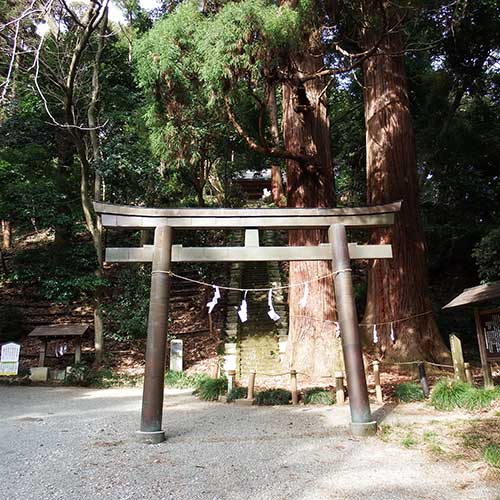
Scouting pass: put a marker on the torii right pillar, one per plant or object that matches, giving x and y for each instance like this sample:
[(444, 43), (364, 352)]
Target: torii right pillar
[(362, 423)]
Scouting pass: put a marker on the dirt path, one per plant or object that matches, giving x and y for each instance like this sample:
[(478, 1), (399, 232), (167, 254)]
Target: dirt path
[(69, 443)]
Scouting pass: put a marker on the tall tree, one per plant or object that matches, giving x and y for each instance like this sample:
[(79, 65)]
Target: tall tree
[(397, 288)]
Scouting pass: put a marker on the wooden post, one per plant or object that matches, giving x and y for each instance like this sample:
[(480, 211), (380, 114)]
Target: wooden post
[(152, 399), (231, 375), (293, 387), (458, 357), (251, 384), (376, 378), (339, 387), (487, 378), (468, 374), (78, 350), (423, 379), (362, 423), (43, 352)]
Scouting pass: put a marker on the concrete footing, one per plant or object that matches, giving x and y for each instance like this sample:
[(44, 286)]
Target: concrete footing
[(150, 437), (362, 429), (39, 374), (244, 402)]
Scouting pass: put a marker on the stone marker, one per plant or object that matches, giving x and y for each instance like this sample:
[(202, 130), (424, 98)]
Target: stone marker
[(176, 355), (458, 358)]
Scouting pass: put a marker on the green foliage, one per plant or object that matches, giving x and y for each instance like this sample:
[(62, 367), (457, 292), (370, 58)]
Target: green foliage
[(409, 440), (59, 273), (273, 397), (82, 374), (243, 37), (210, 389), (318, 396), (492, 455), (179, 380), (487, 256), (409, 391), (237, 393), (12, 323), (449, 394), (126, 308), (477, 398)]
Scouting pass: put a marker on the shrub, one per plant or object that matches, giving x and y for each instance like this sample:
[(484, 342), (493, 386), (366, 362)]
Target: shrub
[(448, 394), (409, 391), (81, 374), (237, 393), (475, 399), (12, 324), (209, 389), (179, 380), (492, 455), (84, 375), (318, 396), (273, 397)]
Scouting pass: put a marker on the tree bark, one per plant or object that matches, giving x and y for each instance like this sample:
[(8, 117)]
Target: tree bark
[(277, 192), (397, 287), (6, 234), (312, 346)]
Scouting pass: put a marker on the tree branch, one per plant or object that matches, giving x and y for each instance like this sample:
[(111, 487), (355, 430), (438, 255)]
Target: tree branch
[(274, 151)]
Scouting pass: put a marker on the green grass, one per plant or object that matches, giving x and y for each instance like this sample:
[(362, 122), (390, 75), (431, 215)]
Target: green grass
[(273, 397), (491, 455), (209, 389), (409, 391), (450, 394), (318, 396), (237, 393), (475, 399), (179, 380), (408, 441)]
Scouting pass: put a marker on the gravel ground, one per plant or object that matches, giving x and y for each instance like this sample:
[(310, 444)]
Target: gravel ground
[(72, 443)]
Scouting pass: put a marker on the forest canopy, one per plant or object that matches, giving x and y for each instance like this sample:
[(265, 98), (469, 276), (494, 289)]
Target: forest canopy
[(345, 103)]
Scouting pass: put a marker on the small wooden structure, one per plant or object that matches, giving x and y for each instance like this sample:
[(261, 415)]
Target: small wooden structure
[(487, 323), (47, 333), (166, 221)]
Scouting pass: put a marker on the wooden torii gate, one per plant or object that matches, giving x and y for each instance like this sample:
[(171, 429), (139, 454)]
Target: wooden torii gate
[(166, 220)]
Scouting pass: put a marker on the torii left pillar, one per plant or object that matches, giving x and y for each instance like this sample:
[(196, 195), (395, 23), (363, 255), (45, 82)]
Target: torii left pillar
[(152, 399)]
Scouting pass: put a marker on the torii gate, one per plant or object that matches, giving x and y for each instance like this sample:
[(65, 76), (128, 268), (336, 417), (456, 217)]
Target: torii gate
[(163, 253)]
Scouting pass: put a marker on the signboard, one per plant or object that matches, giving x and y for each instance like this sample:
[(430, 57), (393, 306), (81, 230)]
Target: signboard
[(490, 325), (9, 359)]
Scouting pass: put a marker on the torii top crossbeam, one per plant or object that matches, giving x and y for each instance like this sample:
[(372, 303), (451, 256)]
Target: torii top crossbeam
[(268, 218)]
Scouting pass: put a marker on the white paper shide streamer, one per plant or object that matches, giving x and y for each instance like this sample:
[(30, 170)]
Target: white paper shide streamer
[(214, 300), (393, 335), (337, 329), (375, 334), (271, 313), (243, 310)]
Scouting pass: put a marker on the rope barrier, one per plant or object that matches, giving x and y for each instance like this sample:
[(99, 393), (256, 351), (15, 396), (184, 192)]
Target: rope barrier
[(282, 287)]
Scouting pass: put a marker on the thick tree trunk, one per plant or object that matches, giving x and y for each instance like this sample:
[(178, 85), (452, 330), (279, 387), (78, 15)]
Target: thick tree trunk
[(397, 288), (312, 346), (6, 234), (276, 179)]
